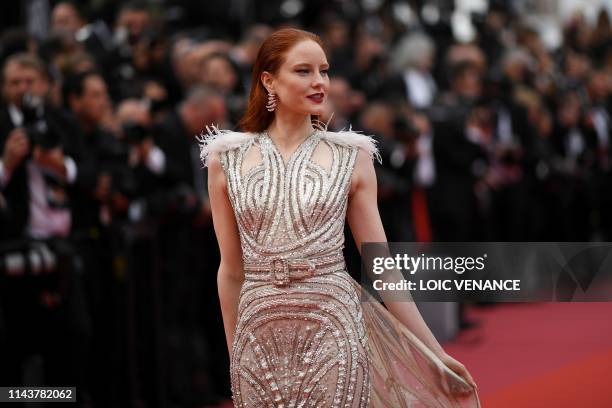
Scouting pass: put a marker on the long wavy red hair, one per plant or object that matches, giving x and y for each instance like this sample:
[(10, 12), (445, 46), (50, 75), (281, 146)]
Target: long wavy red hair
[(269, 58)]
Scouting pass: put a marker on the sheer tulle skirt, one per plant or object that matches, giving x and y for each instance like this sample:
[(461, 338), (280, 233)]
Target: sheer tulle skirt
[(403, 371)]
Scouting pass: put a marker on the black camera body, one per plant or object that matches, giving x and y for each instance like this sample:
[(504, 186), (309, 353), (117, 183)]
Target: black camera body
[(405, 130), (134, 133), (39, 130), (113, 157), (42, 132)]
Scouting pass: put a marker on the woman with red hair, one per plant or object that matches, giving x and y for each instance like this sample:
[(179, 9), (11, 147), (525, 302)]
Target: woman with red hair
[(280, 192)]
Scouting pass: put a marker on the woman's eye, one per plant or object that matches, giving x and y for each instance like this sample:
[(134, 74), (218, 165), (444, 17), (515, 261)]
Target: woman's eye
[(325, 71), (302, 71)]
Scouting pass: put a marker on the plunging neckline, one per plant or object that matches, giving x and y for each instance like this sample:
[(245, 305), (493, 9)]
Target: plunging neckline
[(294, 153)]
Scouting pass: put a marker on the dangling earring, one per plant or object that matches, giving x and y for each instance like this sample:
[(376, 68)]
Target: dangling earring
[(271, 102)]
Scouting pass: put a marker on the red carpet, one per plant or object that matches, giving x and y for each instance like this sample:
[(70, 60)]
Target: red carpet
[(540, 354)]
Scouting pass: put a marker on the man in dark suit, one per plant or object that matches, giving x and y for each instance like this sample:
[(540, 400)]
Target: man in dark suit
[(411, 80), (512, 159), (39, 312), (577, 145), (396, 141), (99, 197), (191, 251), (460, 157), (36, 132), (176, 135)]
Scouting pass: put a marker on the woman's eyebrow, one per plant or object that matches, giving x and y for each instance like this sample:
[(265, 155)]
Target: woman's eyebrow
[(299, 64)]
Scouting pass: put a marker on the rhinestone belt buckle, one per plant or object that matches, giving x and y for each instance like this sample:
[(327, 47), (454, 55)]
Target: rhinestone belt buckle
[(280, 271)]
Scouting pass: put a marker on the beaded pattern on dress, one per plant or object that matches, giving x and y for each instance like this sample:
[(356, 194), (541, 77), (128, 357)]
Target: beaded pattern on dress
[(304, 344)]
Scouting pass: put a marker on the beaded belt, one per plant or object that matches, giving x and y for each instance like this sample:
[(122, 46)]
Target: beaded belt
[(281, 271)]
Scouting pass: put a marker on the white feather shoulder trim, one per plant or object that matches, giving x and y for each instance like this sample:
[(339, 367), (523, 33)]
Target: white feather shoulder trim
[(219, 140), (353, 138)]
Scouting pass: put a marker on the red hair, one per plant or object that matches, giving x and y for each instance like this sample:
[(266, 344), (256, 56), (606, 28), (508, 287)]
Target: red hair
[(270, 57)]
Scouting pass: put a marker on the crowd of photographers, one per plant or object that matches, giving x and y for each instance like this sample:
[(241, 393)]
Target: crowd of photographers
[(107, 252)]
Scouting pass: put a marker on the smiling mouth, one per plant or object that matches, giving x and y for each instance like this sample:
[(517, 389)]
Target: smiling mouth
[(318, 97)]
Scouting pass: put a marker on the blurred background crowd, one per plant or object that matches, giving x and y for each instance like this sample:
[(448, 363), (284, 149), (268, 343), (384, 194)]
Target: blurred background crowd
[(493, 119)]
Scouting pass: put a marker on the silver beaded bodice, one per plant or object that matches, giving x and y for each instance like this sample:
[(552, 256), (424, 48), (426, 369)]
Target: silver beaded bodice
[(289, 209), (302, 343)]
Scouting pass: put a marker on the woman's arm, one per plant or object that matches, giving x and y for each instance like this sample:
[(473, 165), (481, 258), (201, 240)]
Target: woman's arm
[(231, 274), (366, 226)]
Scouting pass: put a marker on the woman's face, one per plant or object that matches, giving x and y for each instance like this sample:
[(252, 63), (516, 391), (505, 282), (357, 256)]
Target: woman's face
[(302, 83)]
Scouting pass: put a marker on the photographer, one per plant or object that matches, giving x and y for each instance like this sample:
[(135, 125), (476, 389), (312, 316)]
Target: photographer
[(34, 171), (103, 183), (461, 155), (115, 171), (146, 160), (40, 300), (100, 197), (398, 148), (577, 146), (512, 158)]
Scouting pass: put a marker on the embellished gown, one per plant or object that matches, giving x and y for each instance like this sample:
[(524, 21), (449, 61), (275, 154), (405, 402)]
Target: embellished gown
[(304, 337)]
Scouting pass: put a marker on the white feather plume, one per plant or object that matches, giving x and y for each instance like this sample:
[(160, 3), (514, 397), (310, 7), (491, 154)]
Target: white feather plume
[(354, 138), (219, 140)]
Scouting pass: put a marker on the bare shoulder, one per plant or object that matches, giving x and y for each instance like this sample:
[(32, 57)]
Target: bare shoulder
[(217, 140), (364, 175), (216, 173), (213, 162)]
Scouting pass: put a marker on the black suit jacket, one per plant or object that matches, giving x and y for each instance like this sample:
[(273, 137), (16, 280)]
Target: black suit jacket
[(397, 182), (453, 198), (14, 216), (176, 142)]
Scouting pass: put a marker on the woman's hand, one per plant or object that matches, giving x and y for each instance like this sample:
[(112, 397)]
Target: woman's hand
[(452, 385)]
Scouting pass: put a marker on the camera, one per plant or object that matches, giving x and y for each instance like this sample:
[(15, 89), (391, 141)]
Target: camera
[(114, 161), (43, 133), (405, 130), (40, 131), (134, 133)]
